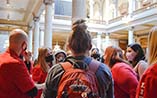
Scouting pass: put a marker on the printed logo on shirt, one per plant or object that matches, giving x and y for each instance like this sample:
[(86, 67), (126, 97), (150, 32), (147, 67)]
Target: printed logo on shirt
[(142, 89)]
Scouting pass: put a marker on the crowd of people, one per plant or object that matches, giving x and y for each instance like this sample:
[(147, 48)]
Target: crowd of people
[(115, 74)]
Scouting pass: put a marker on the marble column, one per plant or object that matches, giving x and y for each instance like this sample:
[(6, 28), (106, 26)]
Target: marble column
[(78, 10), (99, 41), (91, 4), (132, 6), (131, 36), (115, 2), (36, 37), (30, 38), (107, 11), (41, 38), (48, 23)]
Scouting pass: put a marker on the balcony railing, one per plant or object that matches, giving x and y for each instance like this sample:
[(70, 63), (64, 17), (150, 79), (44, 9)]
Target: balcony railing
[(96, 21), (116, 19), (62, 17), (119, 18), (151, 6)]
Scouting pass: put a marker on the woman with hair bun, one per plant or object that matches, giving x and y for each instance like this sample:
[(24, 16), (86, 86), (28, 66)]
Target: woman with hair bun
[(80, 43)]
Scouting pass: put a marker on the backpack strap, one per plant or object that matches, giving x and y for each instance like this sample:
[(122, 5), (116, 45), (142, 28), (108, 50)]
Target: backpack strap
[(66, 65), (93, 66)]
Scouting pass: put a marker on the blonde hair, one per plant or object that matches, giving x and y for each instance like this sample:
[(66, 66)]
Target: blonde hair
[(41, 58), (152, 46)]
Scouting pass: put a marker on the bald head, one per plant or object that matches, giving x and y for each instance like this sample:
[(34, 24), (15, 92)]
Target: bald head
[(18, 40), (17, 36)]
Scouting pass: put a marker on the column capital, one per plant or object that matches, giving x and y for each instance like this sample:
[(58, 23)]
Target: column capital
[(131, 28), (46, 2), (30, 27), (36, 18)]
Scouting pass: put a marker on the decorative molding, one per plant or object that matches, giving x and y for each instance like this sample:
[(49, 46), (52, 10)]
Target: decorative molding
[(146, 2), (13, 22), (123, 8)]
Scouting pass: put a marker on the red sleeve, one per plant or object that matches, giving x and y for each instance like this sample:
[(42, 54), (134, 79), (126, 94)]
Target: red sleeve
[(36, 74), (21, 77), (128, 81), (147, 87)]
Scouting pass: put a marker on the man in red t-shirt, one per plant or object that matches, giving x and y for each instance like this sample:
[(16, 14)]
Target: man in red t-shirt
[(15, 81)]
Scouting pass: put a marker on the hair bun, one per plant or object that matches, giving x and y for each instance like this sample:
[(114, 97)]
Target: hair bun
[(79, 24)]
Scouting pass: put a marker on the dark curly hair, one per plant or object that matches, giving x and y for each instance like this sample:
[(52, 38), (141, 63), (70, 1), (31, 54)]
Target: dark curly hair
[(140, 53)]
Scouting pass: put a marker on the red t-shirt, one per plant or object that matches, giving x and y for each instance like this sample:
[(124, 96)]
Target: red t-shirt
[(14, 77), (39, 77), (125, 81), (147, 87)]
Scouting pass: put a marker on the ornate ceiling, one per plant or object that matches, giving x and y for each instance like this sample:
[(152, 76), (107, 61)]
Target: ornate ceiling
[(20, 13)]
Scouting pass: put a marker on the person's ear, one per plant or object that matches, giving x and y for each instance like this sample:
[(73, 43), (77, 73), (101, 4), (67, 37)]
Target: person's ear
[(90, 46), (24, 46)]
